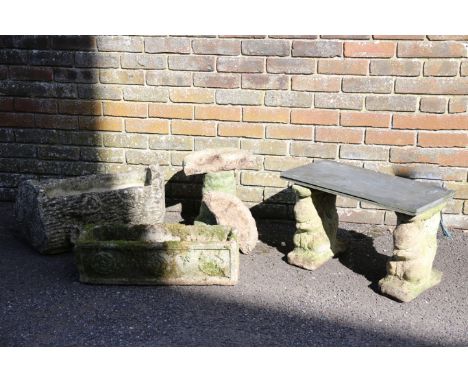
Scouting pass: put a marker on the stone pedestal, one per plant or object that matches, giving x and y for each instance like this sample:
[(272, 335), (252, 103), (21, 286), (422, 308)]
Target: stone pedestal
[(316, 226), (409, 271)]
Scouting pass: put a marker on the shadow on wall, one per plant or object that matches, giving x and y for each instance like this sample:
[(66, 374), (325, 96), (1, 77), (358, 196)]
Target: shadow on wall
[(51, 122)]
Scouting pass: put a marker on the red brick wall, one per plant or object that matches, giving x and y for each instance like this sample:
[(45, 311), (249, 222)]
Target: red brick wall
[(79, 104)]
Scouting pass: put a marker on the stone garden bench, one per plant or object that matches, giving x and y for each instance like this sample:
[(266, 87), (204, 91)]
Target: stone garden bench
[(417, 205)]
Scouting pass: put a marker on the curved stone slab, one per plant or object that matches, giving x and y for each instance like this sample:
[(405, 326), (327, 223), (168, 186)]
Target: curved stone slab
[(230, 211), (214, 160)]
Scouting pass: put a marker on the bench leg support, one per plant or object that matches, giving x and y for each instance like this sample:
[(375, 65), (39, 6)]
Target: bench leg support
[(316, 226), (409, 271)]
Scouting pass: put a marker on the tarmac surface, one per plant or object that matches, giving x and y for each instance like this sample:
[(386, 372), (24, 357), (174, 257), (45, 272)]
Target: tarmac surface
[(42, 303)]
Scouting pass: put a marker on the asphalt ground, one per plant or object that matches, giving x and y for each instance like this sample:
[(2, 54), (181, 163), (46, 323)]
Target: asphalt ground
[(42, 303)]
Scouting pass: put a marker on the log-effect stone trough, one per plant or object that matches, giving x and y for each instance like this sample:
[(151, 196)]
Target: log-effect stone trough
[(47, 210), (161, 254)]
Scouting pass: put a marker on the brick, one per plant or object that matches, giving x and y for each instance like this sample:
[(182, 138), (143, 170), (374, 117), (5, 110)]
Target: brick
[(314, 150), (239, 97), (239, 129), (143, 61), (6, 104), (250, 194), (398, 37), (390, 137), (348, 215), (456, 221), (458, 105), (144, 93), (15, 150), (290, 65), (57, 152), (129, 77), (464, 68), (151, 126), (265, 48), (202, 143), (240, 64), (204, 128), (265, 81), (275, 195), (80, 107), (16, 120), (167, 45), (217, 47), (3, 72), (284, 163), (265, 147), (167, 78), (391, 103), (147, 157), (290, 132), (431, 49), (355, 67), (338, 101), (263, 114), (430, 122), (216, 80), (37, 89), (374, 49), (13, 57), (97, 60), (119, 43), (50, 58), (171, 111), (344, 202), (402, 68), (125, 109), (101, 123), (363, 119), (443, 157), (442, 139), (345, 37), (103, 155), (197, 63), (190, 95), (317, 49), (368, 85), (441, 68), (30, 73), (442, 86), (262, 178), (288, 99), (218, 113), (36, 105), (363, 152), (460, 188), (447, 37), (29, 42), (177, 158), (315, 117), (86, 76), (168, 142), (101, 92), (136, 141), (316, 84), (62, 122), (433, 104), (453, 206), (74, 42), (338, 134)]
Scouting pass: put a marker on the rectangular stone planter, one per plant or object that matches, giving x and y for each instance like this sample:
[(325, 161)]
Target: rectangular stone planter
[(47, 210), (161, 254)]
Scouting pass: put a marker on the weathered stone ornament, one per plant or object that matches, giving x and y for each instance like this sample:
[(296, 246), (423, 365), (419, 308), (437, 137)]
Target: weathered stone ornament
[(218, 165), (409, 271), (228, 210), (316, 226), (161, 254), (47, 210)]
